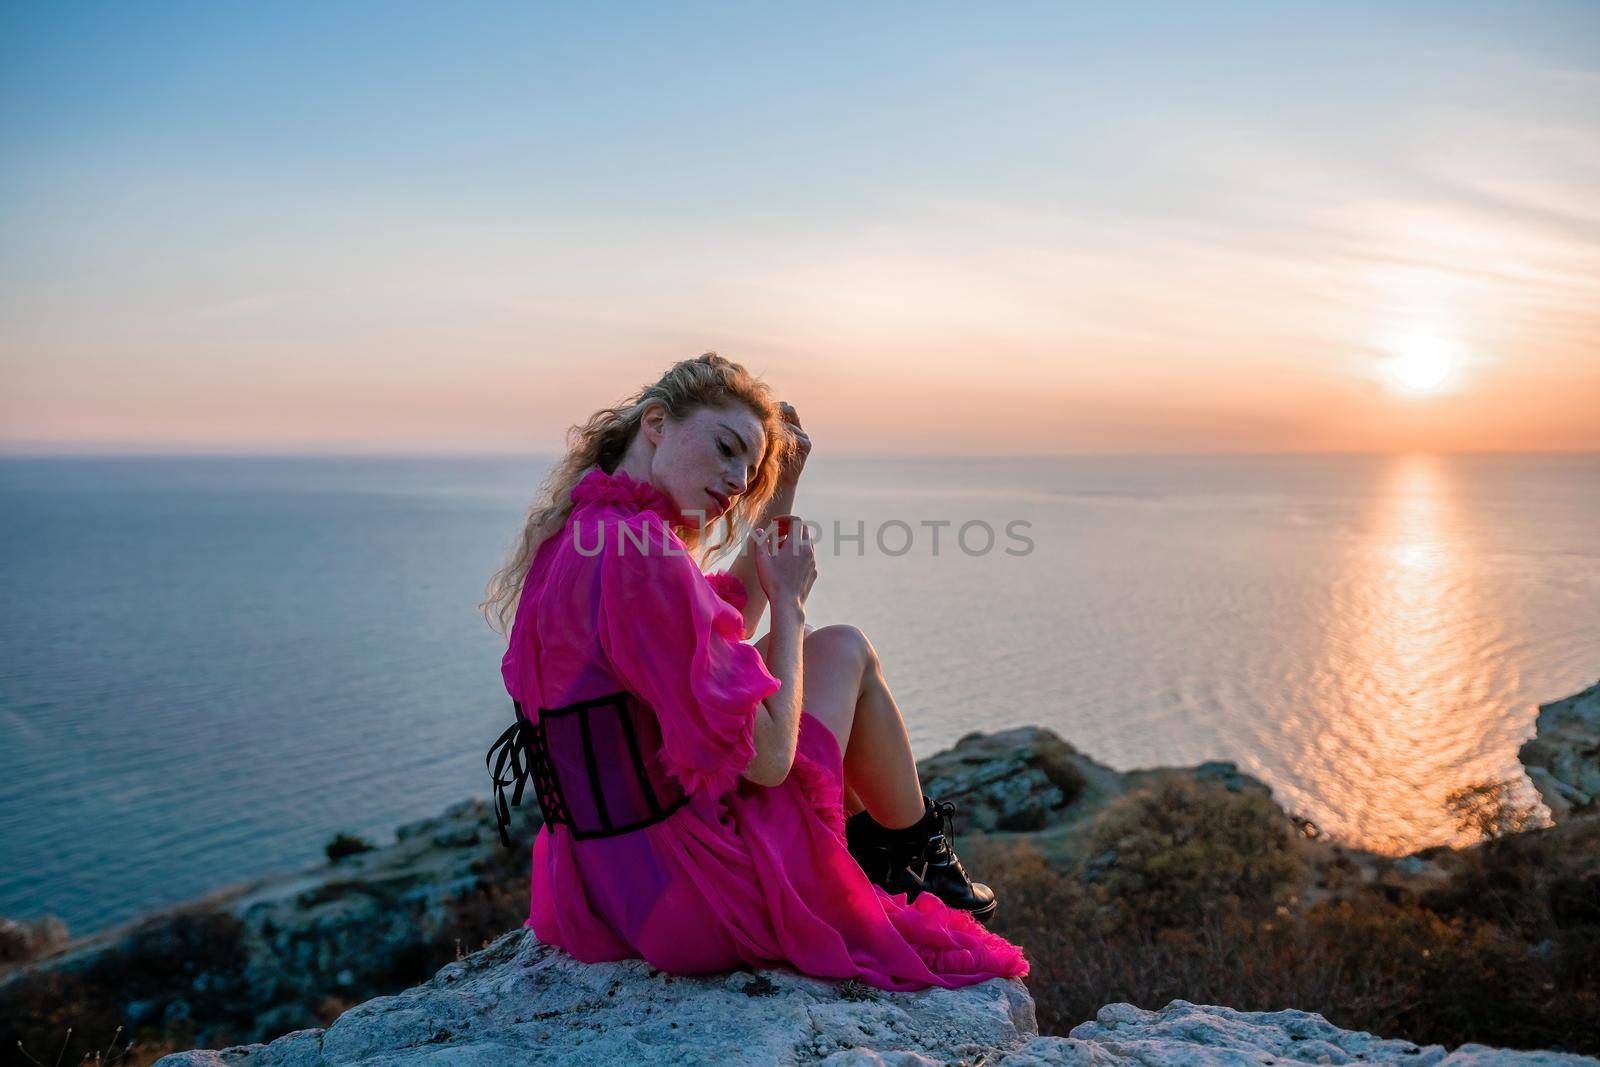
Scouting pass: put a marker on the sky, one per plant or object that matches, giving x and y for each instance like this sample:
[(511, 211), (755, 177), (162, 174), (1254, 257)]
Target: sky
[(933, 228)]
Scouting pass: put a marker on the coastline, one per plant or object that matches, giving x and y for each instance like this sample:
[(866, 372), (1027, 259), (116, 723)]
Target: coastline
[(286, 952)]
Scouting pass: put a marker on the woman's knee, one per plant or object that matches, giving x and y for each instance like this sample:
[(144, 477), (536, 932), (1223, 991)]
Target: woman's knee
[(845, 642)]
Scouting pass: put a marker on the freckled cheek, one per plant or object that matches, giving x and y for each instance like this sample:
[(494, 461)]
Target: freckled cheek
[(713, 463)]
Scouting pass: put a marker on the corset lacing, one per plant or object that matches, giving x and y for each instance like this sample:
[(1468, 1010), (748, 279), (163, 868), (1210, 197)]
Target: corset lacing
[(613, 793)]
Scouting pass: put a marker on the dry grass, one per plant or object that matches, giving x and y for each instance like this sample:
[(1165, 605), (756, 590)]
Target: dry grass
[(70, 1016), (1200, 903)]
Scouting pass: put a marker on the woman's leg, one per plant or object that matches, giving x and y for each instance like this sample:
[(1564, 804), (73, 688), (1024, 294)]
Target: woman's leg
[(844, 688), (843, 685), (852, 802)]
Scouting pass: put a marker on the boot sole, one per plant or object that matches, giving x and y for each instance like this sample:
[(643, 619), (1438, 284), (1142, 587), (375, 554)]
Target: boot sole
[(983, 915)]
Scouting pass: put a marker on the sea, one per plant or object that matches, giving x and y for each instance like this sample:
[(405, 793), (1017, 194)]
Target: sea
[(213, 664)]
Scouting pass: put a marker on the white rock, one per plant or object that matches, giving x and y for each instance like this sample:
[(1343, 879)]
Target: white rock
[(521, 1002), (1183, 1034)]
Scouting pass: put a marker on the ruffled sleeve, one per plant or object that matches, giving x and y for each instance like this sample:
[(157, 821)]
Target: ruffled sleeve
[(677, 644), (729, 588)]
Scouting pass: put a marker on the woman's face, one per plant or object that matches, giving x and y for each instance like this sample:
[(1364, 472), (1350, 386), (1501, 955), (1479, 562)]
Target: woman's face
[(706, 461)]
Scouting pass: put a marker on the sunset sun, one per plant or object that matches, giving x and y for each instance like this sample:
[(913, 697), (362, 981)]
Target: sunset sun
[(1421, 363)]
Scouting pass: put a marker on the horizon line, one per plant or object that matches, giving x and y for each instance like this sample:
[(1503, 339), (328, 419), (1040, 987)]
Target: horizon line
[(6, 454)]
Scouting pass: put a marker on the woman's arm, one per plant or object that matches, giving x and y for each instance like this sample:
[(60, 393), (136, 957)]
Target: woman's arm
[(744, 565), (777, 721), (782, 503)]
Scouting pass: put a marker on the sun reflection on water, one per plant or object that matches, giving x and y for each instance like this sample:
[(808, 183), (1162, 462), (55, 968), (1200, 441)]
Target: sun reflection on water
[(1407, 641)]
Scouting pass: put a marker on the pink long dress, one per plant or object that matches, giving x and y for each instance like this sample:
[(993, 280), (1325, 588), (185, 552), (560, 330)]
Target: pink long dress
[(742, 874)]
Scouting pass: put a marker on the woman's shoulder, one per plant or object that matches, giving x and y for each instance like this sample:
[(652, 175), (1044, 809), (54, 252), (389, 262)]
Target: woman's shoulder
[(623, 493), (609, 532), (625, 546)]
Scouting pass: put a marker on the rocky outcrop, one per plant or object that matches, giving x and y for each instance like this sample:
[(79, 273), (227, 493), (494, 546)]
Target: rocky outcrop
[(1184, 1033), (262, 958), (1027, 778), (1015, 780), (1563, 756), (519, 1001)]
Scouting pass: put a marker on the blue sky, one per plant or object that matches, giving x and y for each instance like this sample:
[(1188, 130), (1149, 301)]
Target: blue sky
[(1158, 227)]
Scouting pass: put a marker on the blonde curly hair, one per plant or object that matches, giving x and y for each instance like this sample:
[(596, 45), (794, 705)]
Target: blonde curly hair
[(708, 380)]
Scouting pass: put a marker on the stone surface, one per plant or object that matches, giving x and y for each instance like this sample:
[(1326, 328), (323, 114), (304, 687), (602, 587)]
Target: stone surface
[(518, 1001), (1015, 780), (1185, 1033), (1563, 756)]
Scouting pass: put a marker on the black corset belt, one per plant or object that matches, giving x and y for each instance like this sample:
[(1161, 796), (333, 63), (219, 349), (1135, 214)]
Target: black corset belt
[(595, 765)]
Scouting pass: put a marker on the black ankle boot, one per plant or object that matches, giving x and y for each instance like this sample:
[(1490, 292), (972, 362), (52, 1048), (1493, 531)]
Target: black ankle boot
[(918, 857)]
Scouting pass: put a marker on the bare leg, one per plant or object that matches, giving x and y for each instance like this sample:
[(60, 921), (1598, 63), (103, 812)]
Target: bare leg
[(844, 687), (852, 802)]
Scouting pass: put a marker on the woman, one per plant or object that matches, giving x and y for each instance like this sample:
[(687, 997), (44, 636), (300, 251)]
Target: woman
[(695, 815)]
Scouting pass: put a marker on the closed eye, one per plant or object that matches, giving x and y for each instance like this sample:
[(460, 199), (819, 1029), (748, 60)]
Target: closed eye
[(750, 472)]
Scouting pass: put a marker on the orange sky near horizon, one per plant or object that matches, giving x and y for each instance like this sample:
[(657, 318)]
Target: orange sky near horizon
[(998, 348)]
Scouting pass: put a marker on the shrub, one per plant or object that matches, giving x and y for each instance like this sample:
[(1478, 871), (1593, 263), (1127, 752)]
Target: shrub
[(24, 941), (1488, 809), (476, 916), (1365, 963), (1055, 760), (1173, 852), (187, 966), (1056, 920), (346, 845)]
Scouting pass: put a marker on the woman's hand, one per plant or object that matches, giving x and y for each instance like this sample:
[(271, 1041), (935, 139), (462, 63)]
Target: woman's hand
[(795, 461), (786, 561)]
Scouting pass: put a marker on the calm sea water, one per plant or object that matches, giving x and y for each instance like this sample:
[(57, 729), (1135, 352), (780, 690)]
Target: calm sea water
[(212, 665)]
